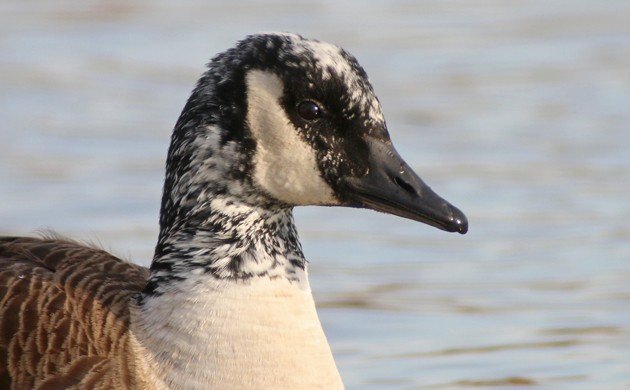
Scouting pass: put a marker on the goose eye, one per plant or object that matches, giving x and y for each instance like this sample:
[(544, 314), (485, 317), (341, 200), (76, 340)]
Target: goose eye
[(308, 110)]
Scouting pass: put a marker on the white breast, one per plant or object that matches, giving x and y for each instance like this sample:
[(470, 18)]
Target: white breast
[(235, 335)]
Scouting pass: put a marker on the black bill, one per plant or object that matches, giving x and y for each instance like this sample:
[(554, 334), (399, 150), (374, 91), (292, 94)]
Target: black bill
[(392, 187)]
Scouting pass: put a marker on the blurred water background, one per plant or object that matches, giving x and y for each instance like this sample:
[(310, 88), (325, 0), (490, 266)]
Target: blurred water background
[(516, 111)]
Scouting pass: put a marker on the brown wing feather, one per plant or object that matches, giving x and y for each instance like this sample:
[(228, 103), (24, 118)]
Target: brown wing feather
[(64, 315)]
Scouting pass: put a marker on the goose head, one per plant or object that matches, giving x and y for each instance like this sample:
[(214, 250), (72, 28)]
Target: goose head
[(281, 121)]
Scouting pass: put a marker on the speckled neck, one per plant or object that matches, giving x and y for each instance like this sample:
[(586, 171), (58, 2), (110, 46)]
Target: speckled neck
[(229, 240), (214, 222)]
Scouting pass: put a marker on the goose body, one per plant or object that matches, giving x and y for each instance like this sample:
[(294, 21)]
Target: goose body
[(277, 121)]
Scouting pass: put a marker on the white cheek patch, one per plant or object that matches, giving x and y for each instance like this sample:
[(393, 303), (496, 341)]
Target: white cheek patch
[(284, 164)]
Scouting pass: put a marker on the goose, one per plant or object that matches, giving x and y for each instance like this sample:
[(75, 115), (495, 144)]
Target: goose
[(275, 122)]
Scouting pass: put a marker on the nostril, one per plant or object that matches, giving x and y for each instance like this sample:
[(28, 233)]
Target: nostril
[(404, 185)]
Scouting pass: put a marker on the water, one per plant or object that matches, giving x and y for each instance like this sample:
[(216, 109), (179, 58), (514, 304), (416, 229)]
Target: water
[(516, 111)]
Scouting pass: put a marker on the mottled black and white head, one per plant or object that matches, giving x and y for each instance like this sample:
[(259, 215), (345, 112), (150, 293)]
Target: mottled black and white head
[(281, 121)]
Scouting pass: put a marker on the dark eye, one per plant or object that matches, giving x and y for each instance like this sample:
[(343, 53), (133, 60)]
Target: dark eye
[(309, 110)]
